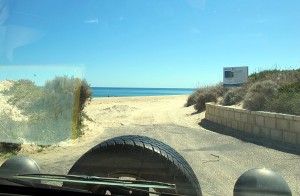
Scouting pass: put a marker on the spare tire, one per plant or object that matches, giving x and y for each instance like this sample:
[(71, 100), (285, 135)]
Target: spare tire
[(139, 157)]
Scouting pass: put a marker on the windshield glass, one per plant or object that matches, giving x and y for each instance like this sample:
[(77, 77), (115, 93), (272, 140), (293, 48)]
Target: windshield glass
[(218, 81)]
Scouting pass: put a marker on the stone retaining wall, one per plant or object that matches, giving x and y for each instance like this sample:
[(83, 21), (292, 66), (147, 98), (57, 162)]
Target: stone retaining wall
[(278, 127)]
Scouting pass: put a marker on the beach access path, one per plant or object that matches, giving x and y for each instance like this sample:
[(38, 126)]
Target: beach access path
[(217, 160)]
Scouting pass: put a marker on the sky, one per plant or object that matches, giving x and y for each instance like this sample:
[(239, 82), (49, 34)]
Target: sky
[(147, 43)]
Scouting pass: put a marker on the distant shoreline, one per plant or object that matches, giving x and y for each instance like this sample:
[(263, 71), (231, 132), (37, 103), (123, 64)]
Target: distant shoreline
[(155, 96), (116, 87), (142, 97), (138, 92)]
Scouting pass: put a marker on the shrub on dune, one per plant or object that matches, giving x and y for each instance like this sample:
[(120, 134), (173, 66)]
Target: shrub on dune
[(207, 91), (233, 96), (258, 94), (205, 97)]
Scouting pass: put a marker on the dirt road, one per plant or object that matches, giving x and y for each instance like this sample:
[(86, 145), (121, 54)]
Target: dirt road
[(217, 160)]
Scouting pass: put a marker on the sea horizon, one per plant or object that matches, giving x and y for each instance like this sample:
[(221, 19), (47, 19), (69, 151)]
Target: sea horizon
[(138, 91)]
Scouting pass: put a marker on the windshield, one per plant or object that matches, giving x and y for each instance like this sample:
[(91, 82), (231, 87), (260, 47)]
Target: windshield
[(218, 81)]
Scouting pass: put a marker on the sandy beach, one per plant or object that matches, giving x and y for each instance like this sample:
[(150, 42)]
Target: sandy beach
[(217, 159), (106, 113), (119, 111), (113, 113)]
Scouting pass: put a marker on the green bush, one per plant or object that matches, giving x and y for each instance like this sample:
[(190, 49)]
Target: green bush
[(207, 96), (264, 75), (285, 103), (258, 94), (287, 100), (233, 96), (281, 77), (290, 88)]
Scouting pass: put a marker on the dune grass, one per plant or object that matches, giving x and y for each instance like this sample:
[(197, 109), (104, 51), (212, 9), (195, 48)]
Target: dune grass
[(269, 90), (49, 112)]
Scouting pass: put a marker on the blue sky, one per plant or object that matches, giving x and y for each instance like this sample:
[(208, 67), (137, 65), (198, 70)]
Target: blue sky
[(150, 43)]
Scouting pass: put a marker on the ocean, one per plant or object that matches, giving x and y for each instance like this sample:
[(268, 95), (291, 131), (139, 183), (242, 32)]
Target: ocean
[(129, 92)]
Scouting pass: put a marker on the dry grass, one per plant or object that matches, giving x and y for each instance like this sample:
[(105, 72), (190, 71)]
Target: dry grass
[(49, 111), (269, 90), (205, 97), (258, 94), (205, 94), (233, 96)]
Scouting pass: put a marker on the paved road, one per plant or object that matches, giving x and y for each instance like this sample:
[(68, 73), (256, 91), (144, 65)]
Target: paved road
[(201, 148)]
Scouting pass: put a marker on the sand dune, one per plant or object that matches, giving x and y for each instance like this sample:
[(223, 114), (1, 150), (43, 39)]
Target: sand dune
[(114, 112), (6, 108)]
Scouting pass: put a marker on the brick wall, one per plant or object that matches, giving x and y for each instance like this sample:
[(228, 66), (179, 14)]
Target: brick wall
[(278, 127)]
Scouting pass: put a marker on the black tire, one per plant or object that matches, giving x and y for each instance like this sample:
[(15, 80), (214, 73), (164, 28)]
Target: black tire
[(140, 157)]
